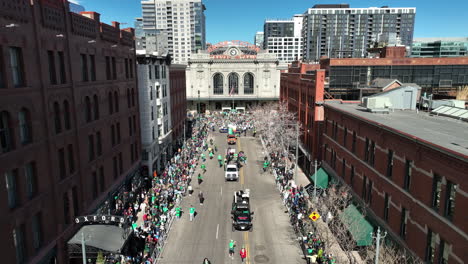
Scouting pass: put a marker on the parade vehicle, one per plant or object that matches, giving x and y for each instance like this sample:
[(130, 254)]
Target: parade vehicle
[(232, 173), (231, 139), (240, 214), (223, 129)]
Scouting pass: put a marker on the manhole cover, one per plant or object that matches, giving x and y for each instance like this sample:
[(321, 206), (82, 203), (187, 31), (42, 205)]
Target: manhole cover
[(260, 247), (261, 259)]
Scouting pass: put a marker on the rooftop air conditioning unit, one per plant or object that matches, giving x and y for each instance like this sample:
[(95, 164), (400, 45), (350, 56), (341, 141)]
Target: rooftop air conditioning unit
[(376, 104)]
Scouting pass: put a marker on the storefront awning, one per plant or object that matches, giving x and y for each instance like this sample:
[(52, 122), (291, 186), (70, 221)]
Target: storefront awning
[(359, 228), (107, 238), (322, 178)]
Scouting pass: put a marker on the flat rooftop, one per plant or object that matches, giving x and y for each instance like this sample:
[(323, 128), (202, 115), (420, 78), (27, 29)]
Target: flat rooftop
[(447, 134)]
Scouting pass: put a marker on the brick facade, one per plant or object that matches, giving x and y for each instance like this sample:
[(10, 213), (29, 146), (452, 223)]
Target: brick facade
[(178, 100), (74, 77)]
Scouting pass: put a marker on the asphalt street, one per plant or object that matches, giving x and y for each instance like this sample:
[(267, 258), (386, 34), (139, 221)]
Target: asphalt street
[(272, 238)]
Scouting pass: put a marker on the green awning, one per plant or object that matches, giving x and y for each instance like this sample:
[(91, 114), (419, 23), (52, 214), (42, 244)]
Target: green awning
[(322, 178), (359, 228)]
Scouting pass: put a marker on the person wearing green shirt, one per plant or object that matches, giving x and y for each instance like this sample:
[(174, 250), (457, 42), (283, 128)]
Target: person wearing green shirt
[(203, 157), (211, 155), (177, 212), (191, 212), (200, 179), (320, 253), (203, 167), (232, 244), (265, 165)]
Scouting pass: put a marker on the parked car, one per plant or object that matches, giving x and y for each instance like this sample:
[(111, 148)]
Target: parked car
[(223, 129)]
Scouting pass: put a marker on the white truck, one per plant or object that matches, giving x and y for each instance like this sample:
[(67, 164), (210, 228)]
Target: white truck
[(232, 173)]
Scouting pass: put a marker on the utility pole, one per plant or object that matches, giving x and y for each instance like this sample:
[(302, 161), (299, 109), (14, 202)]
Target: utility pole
[(377, 250), (83, 248), (297, 152), (198, 109), (315, 179)]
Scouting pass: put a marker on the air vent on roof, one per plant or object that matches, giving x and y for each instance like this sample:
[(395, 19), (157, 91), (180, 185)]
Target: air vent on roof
[(377, 104)]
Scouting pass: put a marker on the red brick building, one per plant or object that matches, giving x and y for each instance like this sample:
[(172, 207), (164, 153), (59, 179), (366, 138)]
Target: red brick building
[(69, 123), (178, 100), (302, 88), (408, 168)]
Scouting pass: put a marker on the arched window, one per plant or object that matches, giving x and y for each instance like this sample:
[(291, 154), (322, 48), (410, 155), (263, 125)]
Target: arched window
[(248, 83), (116, 101), (87, 109), (57, 119), (6, 139), (24, 118), (111, 103), (96, 107), (218, 83), (66, 114), (233, 83)]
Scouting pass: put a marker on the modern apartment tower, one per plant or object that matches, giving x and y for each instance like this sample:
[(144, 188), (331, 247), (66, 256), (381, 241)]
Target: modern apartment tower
[(338, 31), (259, 37), (283, 38), (178, 24)]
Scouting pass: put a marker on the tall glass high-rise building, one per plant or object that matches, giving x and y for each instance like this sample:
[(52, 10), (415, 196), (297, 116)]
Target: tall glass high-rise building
[(283, 38), (258, 40), (441, 47), (178, 24), (338, 31)]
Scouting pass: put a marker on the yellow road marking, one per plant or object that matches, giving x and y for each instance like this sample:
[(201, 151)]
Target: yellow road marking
[(247, 247), (241, 172)]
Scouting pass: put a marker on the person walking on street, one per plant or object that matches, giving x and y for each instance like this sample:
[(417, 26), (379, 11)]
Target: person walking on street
[(191, 212), (206, 261), (203, 157), (243, 253), (178, 211), (190, 190), (200, 179), (232, 245), (201, 198), (203, 167)]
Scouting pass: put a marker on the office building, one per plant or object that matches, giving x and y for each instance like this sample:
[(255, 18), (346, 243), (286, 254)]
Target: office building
[(408, 168), (67, 95), (231, 74), (283, 38), (178, 24), (76, 8), (338, 31), (442, 47), (178, 98), (258, 40)]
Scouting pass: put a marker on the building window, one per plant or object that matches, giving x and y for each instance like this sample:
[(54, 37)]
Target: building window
[(18, 240), (151, 92), (116, 101), (111, 103), (96, 107), (353, 146), (66, 208), (129, 103), (335, 130), (61, 159), (450, 193), (130, 130), (372, 153), (403, 222), (366, 150), (84, 68), (108, 68), (37, 231), (17, 67), (92, 67), (131, 68), (386, 207), (134, 123), (113, 135), (444, 251), (114, 69), (364, 188), (30, 173), (52, 70), (126, 68), (436, 191), (95, 185), (133, 97), (117, 128), (248, 83), (98, 144), (114, 166), (352, 176), (152, 133), (430, 246), (152, 113), (76, 209), (408, 171), (25, 127), (57, 118), (120, 163), (6, 139), (88, 110), (63, 74), (66, 115), (345, 136), (370, 184), (10, 181), (343, 169), (102, 183), (71, 159), (150, 72), (390, 163), (90, 147), (233, 81), (156, 72), (163, 71)]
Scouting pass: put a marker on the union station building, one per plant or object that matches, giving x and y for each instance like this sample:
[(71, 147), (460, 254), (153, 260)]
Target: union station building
[(231, 75)]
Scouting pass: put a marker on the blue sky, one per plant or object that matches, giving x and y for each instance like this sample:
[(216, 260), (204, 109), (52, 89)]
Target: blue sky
[(240, 19)]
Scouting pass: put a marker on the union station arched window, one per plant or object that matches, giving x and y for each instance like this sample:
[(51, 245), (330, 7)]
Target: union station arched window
[(233, 83), (248, 83), (218, 83)]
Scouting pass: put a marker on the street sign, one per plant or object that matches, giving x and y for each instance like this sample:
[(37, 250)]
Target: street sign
[(314, 216)]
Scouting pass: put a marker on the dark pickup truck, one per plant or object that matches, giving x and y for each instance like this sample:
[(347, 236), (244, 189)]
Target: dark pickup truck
[(241, 214)]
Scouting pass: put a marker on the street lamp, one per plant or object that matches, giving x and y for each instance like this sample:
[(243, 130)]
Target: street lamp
[(377, 247), (315, 178), (198, 108)]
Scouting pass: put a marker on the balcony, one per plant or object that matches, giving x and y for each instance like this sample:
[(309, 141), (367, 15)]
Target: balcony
[(158, 102)]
